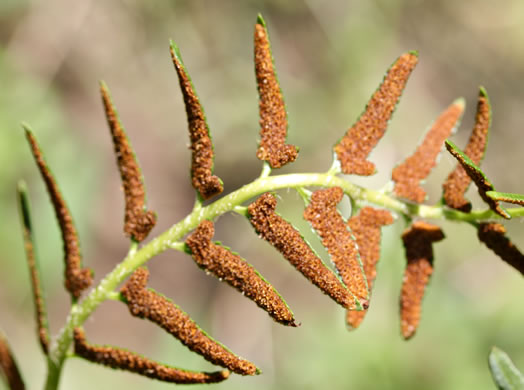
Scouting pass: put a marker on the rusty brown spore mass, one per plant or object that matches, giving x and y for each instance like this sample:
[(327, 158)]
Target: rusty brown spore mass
[(236, 272), (408, 175), (365, 227), (272, 110), (8, 367), (458, 180), (494, 236), (144, 303), (418, 240), (30, 251), (322, 214), (202, 153), (288, 241), (122, 359), (482, 183), (353, 149), (137, 221), (77, 279)]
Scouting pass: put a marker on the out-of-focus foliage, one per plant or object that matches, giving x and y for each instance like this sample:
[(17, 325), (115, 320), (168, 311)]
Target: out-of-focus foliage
[(330, 56), (504, 372)]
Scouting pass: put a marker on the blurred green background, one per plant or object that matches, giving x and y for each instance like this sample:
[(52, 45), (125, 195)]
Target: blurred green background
[(330, 57)]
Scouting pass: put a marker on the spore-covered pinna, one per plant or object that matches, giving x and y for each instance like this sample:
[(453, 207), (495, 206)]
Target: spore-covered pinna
[(352, 243)]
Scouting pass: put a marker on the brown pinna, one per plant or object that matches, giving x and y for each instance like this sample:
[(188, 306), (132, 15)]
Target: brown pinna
[(138, 221), (272, 110), (288, 241), (408, 175), (458, 180), (354, 147), (145, 303), (323, 215), (237, 272), (34, 268), (418, 242), (366, 226), (8, 367), (123, 359), (77, 279), (494, 236), (202, 154)]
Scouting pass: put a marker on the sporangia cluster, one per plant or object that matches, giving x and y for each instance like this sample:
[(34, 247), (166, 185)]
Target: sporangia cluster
[(290, 243)]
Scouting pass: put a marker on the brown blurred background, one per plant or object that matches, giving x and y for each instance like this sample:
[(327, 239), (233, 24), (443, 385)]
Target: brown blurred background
[(330, 57)]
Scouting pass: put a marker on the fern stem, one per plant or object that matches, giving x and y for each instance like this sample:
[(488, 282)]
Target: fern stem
[(171, 239)]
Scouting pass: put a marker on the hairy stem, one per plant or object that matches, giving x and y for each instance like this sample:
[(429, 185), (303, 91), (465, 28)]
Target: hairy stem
[(231, 202)]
